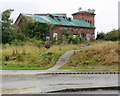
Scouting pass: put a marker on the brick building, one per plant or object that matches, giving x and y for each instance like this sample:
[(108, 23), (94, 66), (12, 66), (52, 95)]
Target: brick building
[(82, 21)]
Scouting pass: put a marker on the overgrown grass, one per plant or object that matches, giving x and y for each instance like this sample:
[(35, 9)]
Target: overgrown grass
[(30, 56), (102, 54), (66, 67)]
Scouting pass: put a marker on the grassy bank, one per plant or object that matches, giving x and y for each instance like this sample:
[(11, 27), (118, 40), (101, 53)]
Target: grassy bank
[(101, 55), (32, 57)]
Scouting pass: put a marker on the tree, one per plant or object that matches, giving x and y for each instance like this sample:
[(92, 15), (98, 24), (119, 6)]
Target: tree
[(7, 29), (110, 36), (101, 36), (113, 35), (66, 32), (36, 29)]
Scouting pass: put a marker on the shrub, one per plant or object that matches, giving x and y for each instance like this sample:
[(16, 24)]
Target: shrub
[(38, 45), (36, 29), (18, 42), (110, 36), (101, 36)]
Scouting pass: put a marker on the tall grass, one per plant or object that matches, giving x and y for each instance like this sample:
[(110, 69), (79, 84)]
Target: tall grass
[(30, 56), (102, 54)]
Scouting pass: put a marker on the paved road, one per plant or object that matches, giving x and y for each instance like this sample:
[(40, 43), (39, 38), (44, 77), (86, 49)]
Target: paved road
[(48, 83)]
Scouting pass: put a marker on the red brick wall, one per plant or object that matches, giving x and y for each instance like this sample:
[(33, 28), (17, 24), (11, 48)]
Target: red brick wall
[(88, 17), (22, 22), (60, 29)]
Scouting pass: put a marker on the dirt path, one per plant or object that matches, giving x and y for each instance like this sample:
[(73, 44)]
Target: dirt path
[(64, 59)]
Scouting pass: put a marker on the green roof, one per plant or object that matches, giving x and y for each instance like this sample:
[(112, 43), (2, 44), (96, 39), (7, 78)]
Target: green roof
[(81, 23), (38, 18), (57, 15), (63, 21), (60, 20)]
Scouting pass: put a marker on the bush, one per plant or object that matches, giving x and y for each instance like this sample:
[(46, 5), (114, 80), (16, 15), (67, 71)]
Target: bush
[(36, 29), (18, 42), (111, 36), (101, 36), (39, 45)]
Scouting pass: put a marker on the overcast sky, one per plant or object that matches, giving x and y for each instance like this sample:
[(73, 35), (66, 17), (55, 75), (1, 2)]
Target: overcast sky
[(106, 12)]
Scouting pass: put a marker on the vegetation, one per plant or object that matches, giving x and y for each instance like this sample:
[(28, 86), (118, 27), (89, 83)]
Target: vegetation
[(101, 55), (68, 38), (114, 35), (31, 56), (7, 28), (36, 29), (12, 32)]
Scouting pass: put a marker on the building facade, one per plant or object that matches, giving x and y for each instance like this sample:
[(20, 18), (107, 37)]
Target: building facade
[(83, 21)]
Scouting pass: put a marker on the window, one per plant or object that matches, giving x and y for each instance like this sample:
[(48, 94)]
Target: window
[(48, 38), (74, 36), (90, 22), (55, 35)]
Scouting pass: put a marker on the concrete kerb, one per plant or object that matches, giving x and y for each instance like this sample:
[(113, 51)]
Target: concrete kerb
[(55, 73), (83, 89), (45, 72)]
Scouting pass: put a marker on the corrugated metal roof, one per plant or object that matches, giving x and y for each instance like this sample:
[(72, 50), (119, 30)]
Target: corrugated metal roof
[(60, 20), (38, 18), (81, 23), (57, 15)]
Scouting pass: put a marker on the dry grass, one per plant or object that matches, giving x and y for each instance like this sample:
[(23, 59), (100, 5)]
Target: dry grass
[(101, 55), (32, 57), (64, 48), (108, 51)]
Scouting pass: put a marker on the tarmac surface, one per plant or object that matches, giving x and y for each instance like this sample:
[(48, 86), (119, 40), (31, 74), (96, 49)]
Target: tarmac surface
[(49, 83)]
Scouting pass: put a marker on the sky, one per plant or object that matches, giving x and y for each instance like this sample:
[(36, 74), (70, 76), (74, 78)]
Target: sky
[(119, 15), (106, 18)]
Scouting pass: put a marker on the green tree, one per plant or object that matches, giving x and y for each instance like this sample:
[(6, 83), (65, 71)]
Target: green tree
[(110, 36), (101, 36), (113, 35), (7, 28), (36, 29), (66, 33)]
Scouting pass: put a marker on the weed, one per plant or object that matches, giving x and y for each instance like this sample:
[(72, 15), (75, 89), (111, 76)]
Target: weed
[(31, 56), (39, 45), (101, 54), (7, 58)]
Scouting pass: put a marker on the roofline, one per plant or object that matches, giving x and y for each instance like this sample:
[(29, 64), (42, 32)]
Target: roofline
[(83, 13), (18, 17), (22, 14), (76, 26)]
